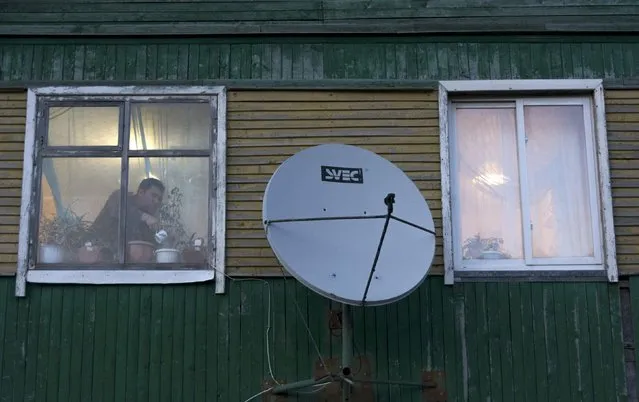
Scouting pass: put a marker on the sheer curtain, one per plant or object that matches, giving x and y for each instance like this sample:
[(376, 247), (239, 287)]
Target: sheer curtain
[(558, 181), (488, 181), (174, 126), (80, 184)]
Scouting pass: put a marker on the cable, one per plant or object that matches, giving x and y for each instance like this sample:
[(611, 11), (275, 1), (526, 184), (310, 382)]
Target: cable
[(299, 310), (259, 394), (268, 329), (268, 321)]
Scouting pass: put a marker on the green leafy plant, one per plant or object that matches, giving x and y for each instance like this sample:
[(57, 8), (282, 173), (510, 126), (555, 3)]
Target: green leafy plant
[(67, 229), (170, 216)]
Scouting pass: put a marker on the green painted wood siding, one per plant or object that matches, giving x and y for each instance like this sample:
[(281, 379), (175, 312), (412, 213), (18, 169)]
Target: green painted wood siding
[(498, 342), (117, 17), (418, 58)]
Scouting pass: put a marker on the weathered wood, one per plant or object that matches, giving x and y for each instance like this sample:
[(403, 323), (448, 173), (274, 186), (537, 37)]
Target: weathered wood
[(354, 140), (333, 96), (336, 132), (301, 124), (259, 141), (12, 120), (421, 149), (7, 269), (324, 106), (622, 112), (270, 168), (372, 113), (239, 18)]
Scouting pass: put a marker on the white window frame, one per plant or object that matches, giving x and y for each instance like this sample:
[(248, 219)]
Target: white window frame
[(588, 93), (216, 264)]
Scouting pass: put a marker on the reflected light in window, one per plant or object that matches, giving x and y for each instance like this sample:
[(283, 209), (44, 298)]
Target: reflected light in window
[(491, 176)]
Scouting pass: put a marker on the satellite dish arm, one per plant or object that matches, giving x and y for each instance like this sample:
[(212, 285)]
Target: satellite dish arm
[(389, 200)]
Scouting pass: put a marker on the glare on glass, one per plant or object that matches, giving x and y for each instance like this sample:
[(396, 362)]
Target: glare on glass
[(161, 126), (558, 181), (168, 214), (73, 227), (83, 126), (487, 172)]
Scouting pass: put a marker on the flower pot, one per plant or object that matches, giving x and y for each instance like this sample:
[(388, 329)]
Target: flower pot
[(89, 254), (491, 255), (193, 256), (140, 251), (50, 254), (167, 255)]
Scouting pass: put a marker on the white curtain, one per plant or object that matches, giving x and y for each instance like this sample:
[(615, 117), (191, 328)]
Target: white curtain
[(558, 181), (488, 177), (84, 184), (170, 127), (557, 174)]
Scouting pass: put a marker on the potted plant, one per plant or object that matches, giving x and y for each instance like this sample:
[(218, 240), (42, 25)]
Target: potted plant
[(489, 248), (176, 239), (59, 235), (91, 250), (195, 253)]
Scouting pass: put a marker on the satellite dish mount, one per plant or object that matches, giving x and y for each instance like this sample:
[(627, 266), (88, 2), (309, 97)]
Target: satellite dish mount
[(304, 217)]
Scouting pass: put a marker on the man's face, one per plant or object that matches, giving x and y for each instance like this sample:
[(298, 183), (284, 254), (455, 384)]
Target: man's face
[(150, 199)]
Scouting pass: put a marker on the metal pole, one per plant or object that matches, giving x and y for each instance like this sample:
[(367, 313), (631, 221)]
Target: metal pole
[(347, 350)]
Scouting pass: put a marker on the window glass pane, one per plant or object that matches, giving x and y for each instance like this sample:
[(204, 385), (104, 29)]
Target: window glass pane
[(487, 177), (84, 126), (558, 181), (73, 193), (181, 210), (170, 126)]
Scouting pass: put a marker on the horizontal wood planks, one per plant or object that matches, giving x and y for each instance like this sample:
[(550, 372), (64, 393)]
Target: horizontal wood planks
[(13, 106), (391, 59), (265, 128), (622, 115), (494, 341), (117, 17)]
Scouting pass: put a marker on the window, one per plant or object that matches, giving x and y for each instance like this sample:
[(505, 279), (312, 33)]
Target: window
[(126, 185), (524, 181)]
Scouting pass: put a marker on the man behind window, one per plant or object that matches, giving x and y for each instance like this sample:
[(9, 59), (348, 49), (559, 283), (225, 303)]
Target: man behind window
[(140, 223)]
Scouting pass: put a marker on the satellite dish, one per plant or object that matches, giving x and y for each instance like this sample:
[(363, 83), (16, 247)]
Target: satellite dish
[(349, 225)]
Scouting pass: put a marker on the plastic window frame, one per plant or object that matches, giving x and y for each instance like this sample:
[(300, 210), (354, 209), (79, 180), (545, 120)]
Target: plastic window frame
[(590, 92)]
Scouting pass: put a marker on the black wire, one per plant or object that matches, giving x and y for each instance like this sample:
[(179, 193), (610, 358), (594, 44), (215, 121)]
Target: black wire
[(413, 225), (338, 218), (326, 218)]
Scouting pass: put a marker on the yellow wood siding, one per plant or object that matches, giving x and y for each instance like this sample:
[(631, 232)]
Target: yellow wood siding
[(265, 128), (13, 106), (622, 115)]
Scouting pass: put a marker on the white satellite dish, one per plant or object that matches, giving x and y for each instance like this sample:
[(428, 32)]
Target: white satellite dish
[(329, 208), (351, 226)]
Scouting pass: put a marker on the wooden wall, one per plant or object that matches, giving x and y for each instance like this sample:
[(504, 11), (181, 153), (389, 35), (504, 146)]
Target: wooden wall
[(492, 342), (265, 128), (13, 106), (118, 17), (622, 115)]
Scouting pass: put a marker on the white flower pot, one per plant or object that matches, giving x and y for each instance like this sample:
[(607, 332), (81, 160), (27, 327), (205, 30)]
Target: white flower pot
[(167, 255), (50, 254), (492, 255)]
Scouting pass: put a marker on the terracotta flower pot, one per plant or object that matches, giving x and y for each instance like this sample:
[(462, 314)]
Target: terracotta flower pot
[(89, 254), (194, 256), (140, 251)]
